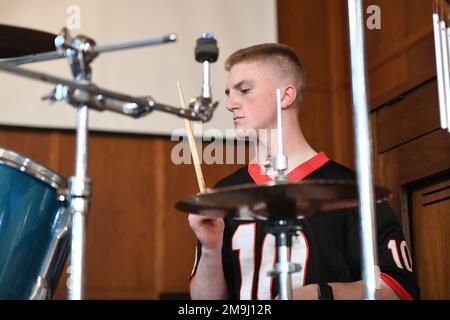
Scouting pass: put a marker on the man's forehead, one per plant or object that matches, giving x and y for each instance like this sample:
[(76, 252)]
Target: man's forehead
[(244, 72), (247, 65)]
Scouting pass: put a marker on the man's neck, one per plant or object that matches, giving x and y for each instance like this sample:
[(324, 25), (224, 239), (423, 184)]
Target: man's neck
[(295, 147)]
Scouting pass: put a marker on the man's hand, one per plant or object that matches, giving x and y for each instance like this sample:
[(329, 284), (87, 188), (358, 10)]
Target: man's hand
[(209, 231)]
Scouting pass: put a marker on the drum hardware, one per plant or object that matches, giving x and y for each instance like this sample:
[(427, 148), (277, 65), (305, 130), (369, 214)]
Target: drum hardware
[(441, 31), (101, 99), (363, 149), (82, 94), (34, 225), (17, 41), (206, 52), (21, 45), (280, 161), (284, 230), (281, 204), (282, 227)]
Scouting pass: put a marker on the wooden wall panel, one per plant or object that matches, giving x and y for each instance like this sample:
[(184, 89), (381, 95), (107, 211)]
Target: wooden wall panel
[(400, 55), (409, 118), (430, 208), (317, 31)]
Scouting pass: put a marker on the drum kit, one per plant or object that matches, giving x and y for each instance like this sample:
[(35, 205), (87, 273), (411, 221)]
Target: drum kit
[(43, 215)]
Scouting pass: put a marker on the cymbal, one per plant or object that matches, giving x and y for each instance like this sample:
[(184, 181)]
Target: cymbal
[(18, 41), (282, 199)]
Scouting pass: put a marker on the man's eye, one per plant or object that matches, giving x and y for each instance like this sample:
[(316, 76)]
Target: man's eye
[(244, 91)]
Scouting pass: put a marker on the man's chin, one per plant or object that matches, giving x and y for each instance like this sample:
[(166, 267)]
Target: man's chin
[(246, 133)]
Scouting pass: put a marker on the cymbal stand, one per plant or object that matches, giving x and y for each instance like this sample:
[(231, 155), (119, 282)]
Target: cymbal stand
[(79, 54), (283, 229)]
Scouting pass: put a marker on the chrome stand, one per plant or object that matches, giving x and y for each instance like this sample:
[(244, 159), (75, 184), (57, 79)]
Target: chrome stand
[(80, 55), (283, 231), (83, 94), (363, 150), (282, 226)]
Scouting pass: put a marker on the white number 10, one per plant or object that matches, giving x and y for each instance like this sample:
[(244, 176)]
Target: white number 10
[(243, 241)]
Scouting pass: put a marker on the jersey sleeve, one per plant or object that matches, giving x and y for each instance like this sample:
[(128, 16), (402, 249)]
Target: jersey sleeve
[(394, 259)]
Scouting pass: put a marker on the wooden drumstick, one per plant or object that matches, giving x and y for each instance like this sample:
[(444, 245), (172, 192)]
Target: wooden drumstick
[(192, 145)]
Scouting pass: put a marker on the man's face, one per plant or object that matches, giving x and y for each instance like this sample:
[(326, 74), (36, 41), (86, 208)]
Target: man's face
[(251, 96)]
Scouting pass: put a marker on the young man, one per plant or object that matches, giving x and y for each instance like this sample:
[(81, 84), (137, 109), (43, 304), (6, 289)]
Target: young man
[(234, 256)]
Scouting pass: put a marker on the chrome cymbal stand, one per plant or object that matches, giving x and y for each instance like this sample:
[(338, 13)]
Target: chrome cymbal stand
[(283, 232), (83, 94), (282, 227), (363, 150), (80, 55)]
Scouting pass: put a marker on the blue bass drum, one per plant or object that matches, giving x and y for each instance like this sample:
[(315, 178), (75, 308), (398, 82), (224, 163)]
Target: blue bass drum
[(34, 228)]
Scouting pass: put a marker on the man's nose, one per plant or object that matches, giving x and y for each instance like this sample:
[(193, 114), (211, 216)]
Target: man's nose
[(232, 103)]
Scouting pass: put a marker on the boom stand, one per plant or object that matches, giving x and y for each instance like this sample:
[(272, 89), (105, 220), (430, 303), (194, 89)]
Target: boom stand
[(80, 56)]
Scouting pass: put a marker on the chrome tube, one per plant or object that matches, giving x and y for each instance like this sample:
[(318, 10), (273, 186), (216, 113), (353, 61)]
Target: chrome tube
[(446, 34), (439, 69), (206, 87), (446, 70), (284, 276), (52, 55), (363, 149)]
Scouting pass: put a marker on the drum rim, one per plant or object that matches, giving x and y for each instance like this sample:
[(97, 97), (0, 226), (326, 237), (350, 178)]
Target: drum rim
[(35, 169)]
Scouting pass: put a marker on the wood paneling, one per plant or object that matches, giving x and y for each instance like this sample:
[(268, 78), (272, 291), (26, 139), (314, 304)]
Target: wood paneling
[(409, 146), (414, 115), (426, 156), (317, 31), (400, 55), (431, 221)]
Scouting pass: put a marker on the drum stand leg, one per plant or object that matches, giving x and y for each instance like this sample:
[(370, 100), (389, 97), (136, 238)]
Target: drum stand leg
[(283, 231), (80, 194), (79, 54)]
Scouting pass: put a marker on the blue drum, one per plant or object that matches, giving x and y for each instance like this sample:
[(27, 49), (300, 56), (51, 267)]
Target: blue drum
[(34, 228)]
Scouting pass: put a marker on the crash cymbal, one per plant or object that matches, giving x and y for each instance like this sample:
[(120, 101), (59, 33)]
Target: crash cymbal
[(18, 41), (285, 199)]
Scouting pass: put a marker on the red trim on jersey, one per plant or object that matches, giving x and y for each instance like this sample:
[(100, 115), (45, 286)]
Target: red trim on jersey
[(307, 257), (398, 289), (255, 171)]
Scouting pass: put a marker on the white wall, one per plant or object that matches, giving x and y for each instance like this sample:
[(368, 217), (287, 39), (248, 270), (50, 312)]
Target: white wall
[(144, 71)]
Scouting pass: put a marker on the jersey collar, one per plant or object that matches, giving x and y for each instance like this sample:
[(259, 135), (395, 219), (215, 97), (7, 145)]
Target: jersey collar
[(257, 174)]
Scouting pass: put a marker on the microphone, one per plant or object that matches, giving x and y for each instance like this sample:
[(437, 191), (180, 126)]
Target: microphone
[(206, 52)]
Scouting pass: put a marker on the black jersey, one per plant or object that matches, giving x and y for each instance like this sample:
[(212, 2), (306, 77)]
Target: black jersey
[(327, 248)]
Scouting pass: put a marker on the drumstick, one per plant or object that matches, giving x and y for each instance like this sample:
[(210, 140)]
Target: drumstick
[(192, 145)]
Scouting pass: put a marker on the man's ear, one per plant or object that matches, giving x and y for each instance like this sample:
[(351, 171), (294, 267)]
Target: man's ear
[(288, 95)]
